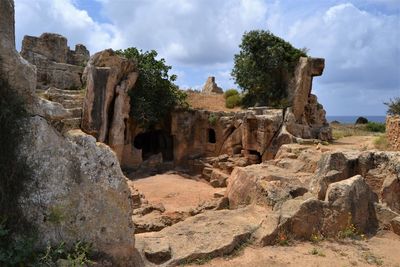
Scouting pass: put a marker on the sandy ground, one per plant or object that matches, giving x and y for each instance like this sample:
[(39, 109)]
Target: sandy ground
[(380, 250), (354, 142), (214, 102), (175, 192)]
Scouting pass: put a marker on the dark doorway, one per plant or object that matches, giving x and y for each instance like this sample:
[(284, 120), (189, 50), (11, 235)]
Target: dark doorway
[(154, 142), (211, 136)]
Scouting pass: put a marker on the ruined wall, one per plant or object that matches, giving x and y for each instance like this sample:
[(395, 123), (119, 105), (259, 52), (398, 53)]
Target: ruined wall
[(56, 64), (393, 131)]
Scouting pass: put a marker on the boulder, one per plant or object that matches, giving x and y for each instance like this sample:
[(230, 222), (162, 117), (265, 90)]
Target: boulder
[(218, 178), (391, 192), (106, 107), (395, 223), (211, 87), (361, 120)]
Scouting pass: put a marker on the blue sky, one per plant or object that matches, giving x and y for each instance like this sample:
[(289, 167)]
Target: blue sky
[(360, 39)]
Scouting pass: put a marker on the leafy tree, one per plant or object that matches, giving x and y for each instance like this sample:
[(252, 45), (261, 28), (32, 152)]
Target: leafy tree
[(393, 106), (155, 93), (263, 68)]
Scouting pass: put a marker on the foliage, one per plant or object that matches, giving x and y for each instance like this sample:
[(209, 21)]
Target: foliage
[(316, 252), (393, 106), (20, 252), (14, 171), (155, 93), (263, 67), (212, 119), (375, 127), (230, 92), (233, 101)]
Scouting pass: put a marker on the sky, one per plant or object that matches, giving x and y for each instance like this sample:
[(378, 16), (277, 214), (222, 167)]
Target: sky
[(359, 39)]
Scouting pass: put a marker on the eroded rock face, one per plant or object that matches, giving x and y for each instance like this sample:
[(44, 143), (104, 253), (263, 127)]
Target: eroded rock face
[(106, 107), (77, 191), (211, 87), (56, 64)]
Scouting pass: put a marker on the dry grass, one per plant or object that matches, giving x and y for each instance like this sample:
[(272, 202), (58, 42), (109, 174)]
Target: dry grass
[(381, 142), (345, 130), (209, 102)]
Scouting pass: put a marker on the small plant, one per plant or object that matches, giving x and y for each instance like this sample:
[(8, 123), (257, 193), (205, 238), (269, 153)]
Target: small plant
[(212, 119), (316, 238), (56, 215), (350, 231), (372, 259), (79, 255), (317, 252), (283, 239)]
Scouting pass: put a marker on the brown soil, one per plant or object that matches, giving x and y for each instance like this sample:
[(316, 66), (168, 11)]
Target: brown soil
[(380, 250), (209, 102), (175, 192)]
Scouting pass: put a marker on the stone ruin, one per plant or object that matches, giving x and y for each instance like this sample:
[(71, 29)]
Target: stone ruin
[(56, 65), (393, 131), (277, 176), (211, 87)]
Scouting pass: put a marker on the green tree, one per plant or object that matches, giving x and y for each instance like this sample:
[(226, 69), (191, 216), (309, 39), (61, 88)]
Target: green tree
[(393, 106), (155, 94), (263, 68)]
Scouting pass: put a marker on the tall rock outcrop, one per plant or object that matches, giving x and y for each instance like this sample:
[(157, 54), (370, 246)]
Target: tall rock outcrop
[(77, 190), (393, 131), (56, 64), (211, 87), (109, 79)]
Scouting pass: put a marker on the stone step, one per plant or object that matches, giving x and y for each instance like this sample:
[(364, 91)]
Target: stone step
[(75, 112), (71, 104), (53, 90), (67, 124), (61, 97), (204, 236)]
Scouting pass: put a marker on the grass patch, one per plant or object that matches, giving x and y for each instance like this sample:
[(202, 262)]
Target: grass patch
[(317, 252), (381, 143), (375, 127), (344, 130)]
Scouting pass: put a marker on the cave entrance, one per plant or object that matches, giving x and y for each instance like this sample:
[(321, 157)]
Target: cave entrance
[(154, 142), (211, 136)]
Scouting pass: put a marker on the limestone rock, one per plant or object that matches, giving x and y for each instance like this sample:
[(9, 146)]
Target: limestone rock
[(218, 178), (396, 225), (109, 78), (56, 64), (211, 87), (393, 131), (391, 192), (78, 191), (206, 235)]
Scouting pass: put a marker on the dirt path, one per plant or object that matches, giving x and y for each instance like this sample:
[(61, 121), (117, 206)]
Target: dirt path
[(380, 250), (175, 192)]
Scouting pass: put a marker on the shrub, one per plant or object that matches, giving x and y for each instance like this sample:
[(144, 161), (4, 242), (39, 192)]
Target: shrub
[(155, 93), (230, 92), (212, 119), (263, 67), (393, 106), (375, 127), (233, 101)]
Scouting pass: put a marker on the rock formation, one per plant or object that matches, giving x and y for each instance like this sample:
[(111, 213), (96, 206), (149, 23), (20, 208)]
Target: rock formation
[(211, 87), (56, 64), (393, 131), (77, 191), (106, 108)]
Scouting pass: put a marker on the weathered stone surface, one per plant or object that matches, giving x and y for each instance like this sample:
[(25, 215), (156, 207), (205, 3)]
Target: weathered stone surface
[(393, 131), (384, 215), (395, 223), (78, 191), (106, 106), (218, 178), (207, 235), (210, 87), (391, 192), (56, 64)]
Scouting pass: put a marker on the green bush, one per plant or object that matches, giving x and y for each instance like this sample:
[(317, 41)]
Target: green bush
[(155, 94), (230, 92), (393, 106), (233, 101), (375, 127), (212, 119), (263, 68)]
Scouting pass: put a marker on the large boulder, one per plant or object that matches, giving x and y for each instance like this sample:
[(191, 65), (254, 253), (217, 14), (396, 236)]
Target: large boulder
[(109, 79), (77, 191)]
